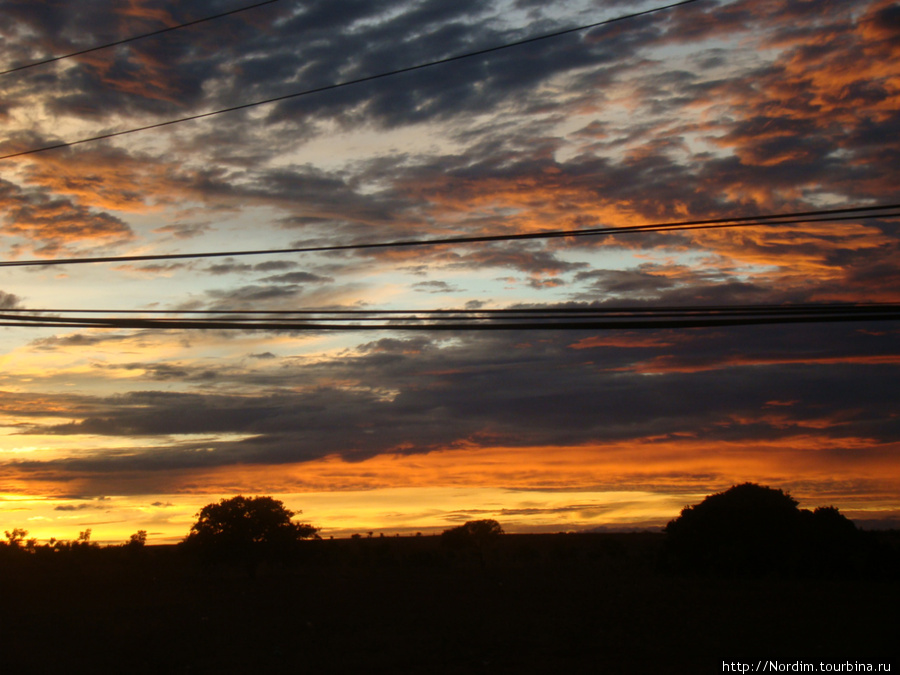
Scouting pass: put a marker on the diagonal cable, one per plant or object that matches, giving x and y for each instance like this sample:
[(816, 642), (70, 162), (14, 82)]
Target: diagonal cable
[(134, 38), (345, 83), (829, 215)]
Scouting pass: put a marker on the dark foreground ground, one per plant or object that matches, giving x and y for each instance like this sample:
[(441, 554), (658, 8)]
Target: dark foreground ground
[(539, 604)]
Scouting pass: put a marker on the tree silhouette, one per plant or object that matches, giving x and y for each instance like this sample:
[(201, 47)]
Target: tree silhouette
[(474, 537), (15, 537), (247, 530), (137, 541), (757, 530)]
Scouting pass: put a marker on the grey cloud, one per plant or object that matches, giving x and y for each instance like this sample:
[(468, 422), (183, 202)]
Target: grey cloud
[(413, 37), (9, 300), (228, 267), (523, 258), (298, 278), (633, 283), (398, 345), (153, 268), (184, 230), (238, 298), (168, 371), (232, 266), (435, 287), (274, 265), (324, 197), (144, 76), (79, 507), (655, 285), (332, 206), (418, 395), (269, 52), (79, 340)]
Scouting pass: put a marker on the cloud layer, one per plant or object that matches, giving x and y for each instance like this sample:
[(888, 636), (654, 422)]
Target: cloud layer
[(729, 108)]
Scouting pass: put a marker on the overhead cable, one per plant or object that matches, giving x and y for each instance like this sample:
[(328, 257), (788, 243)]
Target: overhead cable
[(134, 38), (581, 318), (530, 310), (799, 217), (347, 83)]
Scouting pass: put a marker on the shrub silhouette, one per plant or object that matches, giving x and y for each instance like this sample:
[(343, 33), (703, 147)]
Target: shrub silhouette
[(137, 541), (15, 537), (755, 530), (247, 530), (474, 533), (474, 537)]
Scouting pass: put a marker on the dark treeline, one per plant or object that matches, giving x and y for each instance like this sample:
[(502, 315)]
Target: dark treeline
[(746, 531), (472, 600), (752, 530)]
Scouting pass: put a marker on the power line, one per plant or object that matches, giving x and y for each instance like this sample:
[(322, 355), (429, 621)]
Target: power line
[(556, 310), (134, 38), (347, 83), (829, 215), (580, 318)]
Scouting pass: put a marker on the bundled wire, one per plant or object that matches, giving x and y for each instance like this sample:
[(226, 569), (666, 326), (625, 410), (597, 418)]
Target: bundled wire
[(551, 318)]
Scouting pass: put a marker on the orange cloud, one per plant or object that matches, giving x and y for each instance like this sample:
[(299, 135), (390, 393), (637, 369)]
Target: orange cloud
[(111, 178), (675, 364), (840, 76), (54, 222), (661, 473), (626, 341), (528, 202), (142, 9), (661, 464)]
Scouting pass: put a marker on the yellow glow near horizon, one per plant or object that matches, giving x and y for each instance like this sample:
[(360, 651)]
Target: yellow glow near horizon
[(525, 489), (168, 518)]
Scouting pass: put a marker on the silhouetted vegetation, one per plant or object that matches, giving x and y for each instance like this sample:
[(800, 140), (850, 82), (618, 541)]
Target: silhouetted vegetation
[(474, 537), (17, 544), (543, 603), (247, 531), (137, 541), (756, 530)]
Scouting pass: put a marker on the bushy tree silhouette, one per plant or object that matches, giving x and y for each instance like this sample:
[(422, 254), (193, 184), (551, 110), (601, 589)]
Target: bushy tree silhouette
[(757, 530), (137, 541), (15, 537), (247, 530), (473, 537)]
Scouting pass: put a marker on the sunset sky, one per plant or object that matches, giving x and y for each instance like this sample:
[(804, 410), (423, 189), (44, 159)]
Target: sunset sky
[(710, 109)]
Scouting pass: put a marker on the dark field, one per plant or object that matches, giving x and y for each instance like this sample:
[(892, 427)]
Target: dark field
[(589, 603)]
